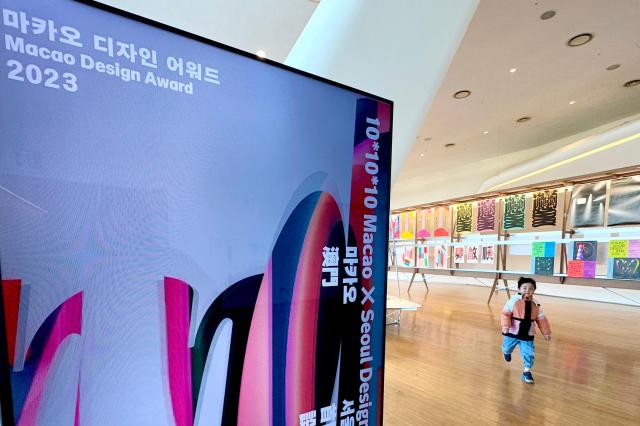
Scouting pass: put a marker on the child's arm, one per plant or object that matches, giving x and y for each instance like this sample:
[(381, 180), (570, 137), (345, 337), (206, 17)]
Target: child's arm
[(505, 317), (543, 324)]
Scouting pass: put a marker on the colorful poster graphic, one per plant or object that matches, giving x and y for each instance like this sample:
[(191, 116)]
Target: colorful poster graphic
[(408, 256), (488, 254), (543, 265), (407, 225), (441, 257), (442, 221), (585, 250), (473, 253), (514, 211), (618, 248), (587, 205), (625, 269), (581, 269), (464, 217), (424, 219), (543, 249), (458, 254), (486, 215), (545, 205), (422, 260), (633, 248), (190, 239), (624, 202), (394, 228)]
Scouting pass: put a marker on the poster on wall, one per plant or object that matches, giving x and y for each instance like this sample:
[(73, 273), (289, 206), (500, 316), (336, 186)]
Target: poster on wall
[(514, 211), (424, 220), (585, 250), (543, 249), (422, 259), (488, 254), (545, 207), (486, 215), (188, 235), (441, 256), (407, 225), (398, 255), (588, 204), (581, 269), (458, 254), (394, 228), (625, 268), (543, 265), (408, 256), (464, 217), (624, 201), (473, 253), (442, 221)]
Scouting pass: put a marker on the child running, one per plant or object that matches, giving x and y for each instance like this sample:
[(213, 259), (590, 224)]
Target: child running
[(518, 327)]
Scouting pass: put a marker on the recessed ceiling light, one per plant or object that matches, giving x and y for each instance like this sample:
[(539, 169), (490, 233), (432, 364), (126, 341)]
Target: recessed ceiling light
[(512, 70), (632, 83), (523, 119), (613, 67), (422, 154), (572, 102), (426, 139), (548, 15), (261, 54), (486, 132), (580, 39), (449, 145), (461, 94)]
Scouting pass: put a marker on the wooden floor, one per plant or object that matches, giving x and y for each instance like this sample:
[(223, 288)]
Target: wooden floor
[(444, 365)]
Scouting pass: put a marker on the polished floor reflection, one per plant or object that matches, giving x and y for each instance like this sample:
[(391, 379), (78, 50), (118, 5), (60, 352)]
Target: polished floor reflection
[(444, 365)]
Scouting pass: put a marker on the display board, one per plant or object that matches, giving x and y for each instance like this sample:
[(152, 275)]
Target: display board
[(587, 230), (188, 235)]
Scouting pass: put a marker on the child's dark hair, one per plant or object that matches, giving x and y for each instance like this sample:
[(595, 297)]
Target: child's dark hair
[(526, 280)]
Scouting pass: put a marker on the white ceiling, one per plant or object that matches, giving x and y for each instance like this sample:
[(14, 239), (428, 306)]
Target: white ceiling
[(503, 34), (510, 34), (251, 25)]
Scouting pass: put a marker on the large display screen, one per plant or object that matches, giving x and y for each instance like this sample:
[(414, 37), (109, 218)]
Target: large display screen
[(188, 235)]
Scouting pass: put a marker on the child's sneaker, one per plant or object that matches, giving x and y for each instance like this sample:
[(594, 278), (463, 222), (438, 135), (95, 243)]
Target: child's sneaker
[(507, 357), (527, 377)]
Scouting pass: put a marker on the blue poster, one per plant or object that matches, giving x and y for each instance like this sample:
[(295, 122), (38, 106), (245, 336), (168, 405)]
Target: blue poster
[(188, 235)]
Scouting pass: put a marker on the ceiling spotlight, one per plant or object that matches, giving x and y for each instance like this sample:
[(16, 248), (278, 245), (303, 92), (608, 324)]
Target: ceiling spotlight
[(613, 67), (572, 102), (512, 70), (486, 132), (461, 94), (261, 54), (632, 83), (580, 39), (548, 15), (422, 154), (523, 119), (449, 145), (426, 139)]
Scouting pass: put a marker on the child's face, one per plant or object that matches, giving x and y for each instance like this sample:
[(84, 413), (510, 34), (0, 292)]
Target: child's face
[(527, 291)]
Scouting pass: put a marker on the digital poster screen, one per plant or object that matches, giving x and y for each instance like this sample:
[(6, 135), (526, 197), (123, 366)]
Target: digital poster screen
[(188, 235)]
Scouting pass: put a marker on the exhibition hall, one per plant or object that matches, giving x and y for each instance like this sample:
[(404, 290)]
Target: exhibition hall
[(319, 212)]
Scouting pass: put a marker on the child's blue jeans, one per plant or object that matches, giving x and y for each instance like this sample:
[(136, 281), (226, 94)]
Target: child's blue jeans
[(527, 349)]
